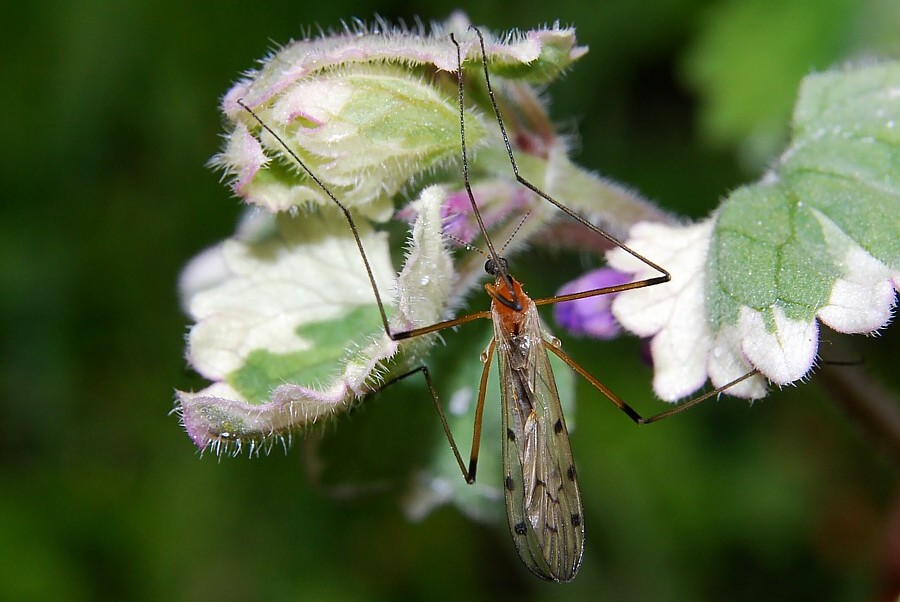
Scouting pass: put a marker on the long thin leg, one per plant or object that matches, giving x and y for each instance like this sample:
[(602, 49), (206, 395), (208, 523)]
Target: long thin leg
[(606, 290), (627, 409), (664, 277), (468, 474), (479, 411)]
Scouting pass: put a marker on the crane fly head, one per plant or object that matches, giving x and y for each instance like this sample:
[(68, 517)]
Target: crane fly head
[(505, 290)]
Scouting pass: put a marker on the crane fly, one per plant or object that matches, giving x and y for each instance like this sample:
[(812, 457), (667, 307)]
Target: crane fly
[(543, 502)]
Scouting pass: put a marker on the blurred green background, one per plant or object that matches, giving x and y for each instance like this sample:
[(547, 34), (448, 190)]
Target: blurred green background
[(109, 114)]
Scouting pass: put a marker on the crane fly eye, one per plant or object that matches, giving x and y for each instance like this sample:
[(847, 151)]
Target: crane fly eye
[(492, 268)]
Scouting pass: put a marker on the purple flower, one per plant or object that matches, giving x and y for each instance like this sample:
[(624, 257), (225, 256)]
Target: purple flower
[(590, 316), (498, 201), (459, 221)]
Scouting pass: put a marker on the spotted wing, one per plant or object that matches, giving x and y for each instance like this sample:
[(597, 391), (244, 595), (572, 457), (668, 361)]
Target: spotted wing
[(543, 504)]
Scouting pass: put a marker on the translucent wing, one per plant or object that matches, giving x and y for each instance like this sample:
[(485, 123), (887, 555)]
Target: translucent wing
[(543, 504)]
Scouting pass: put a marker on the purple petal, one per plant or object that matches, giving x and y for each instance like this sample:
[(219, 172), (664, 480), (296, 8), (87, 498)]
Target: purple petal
[(590, 316)]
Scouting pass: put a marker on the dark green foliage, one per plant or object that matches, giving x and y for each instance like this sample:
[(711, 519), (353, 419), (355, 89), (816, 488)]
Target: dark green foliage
[(109, 116)]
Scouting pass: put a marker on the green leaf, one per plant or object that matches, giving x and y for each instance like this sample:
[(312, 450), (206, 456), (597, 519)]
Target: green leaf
[(815, 240), (553, 51), (368, 112), (773, 244), (263, 370), (364, 133), (287, 327)]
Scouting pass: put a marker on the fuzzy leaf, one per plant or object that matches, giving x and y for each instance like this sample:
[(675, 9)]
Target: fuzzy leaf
[(816, 239), (538, 55), (368, 111), (405, 126), (287, 325)]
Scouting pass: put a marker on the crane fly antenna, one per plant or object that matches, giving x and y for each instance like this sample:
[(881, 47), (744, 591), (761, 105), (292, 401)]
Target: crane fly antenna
[(496, 265), (465, 245), (516, 230), (665, 276)]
